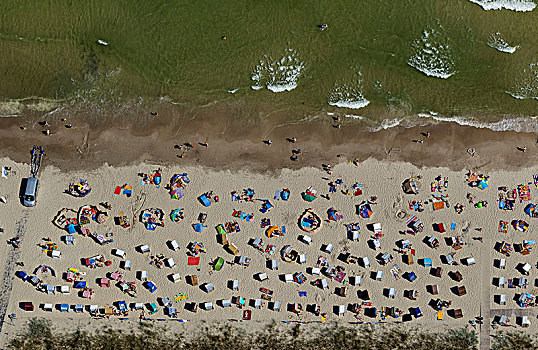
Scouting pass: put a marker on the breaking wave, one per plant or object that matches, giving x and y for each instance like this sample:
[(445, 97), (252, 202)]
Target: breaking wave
[(278, 75), (498, 43), (348, 96), (519, 124), (432, 54), (514, 5)]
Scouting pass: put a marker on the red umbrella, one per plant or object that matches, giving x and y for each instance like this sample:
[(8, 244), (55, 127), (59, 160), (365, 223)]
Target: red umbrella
[(108, 263)]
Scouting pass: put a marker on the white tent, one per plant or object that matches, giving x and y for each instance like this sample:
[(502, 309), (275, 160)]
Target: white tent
[(316, 271), (392, 293)]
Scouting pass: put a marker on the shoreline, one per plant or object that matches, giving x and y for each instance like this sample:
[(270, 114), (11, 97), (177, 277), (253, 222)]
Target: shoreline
[(235, 133)]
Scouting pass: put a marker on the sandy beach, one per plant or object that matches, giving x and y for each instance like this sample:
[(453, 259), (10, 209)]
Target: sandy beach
[(380, 179)]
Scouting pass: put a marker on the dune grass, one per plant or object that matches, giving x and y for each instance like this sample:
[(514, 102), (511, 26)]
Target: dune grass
[(40, 334)]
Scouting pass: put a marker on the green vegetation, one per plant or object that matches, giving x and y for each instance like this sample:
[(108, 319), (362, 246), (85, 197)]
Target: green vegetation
[(40, 335), (49, 49)]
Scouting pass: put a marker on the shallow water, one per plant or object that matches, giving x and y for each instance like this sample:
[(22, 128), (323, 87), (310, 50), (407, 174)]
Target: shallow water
[(414, 56)]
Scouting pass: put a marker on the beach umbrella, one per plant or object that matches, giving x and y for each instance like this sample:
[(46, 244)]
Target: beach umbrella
[(308, 197)]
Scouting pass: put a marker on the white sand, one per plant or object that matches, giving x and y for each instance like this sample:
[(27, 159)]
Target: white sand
[(381, 179)]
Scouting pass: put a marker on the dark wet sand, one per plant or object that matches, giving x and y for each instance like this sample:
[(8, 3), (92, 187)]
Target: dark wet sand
[(235, 140)]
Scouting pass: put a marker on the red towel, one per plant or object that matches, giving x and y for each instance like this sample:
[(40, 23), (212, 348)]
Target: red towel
[(117, 190), (191, 261)]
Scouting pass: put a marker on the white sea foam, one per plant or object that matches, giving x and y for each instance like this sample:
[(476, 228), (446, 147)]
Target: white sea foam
[(498, 43), (514, 5), (526, 86), (519, 124), (354, 116), (432, 54), (348, 95), (278, 75), (387, 124)]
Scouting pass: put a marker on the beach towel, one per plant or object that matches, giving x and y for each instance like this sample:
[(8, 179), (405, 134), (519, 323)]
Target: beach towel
[(277, 195), (453, 226), (127, 190), (193, 261), (117, 190)]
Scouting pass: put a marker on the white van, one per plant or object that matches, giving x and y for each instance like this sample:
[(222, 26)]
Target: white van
[(30, 192)]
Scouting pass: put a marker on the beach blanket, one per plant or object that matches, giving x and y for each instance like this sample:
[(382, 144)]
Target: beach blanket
[(524, 193), (193, 261)]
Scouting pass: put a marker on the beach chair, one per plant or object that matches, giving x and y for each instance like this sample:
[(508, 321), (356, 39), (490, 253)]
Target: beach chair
[(69, 240), (379, 275), (273, 263), (235, 285), (275, 306), (127, 265), (288, 278), (176, 277), (434, 289), (208, 287)]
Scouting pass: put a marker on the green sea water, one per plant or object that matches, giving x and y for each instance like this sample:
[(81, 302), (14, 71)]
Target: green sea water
[(50, 49)]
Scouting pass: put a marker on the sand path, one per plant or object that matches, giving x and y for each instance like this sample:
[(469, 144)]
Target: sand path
[(7, 276), (485, 327)]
